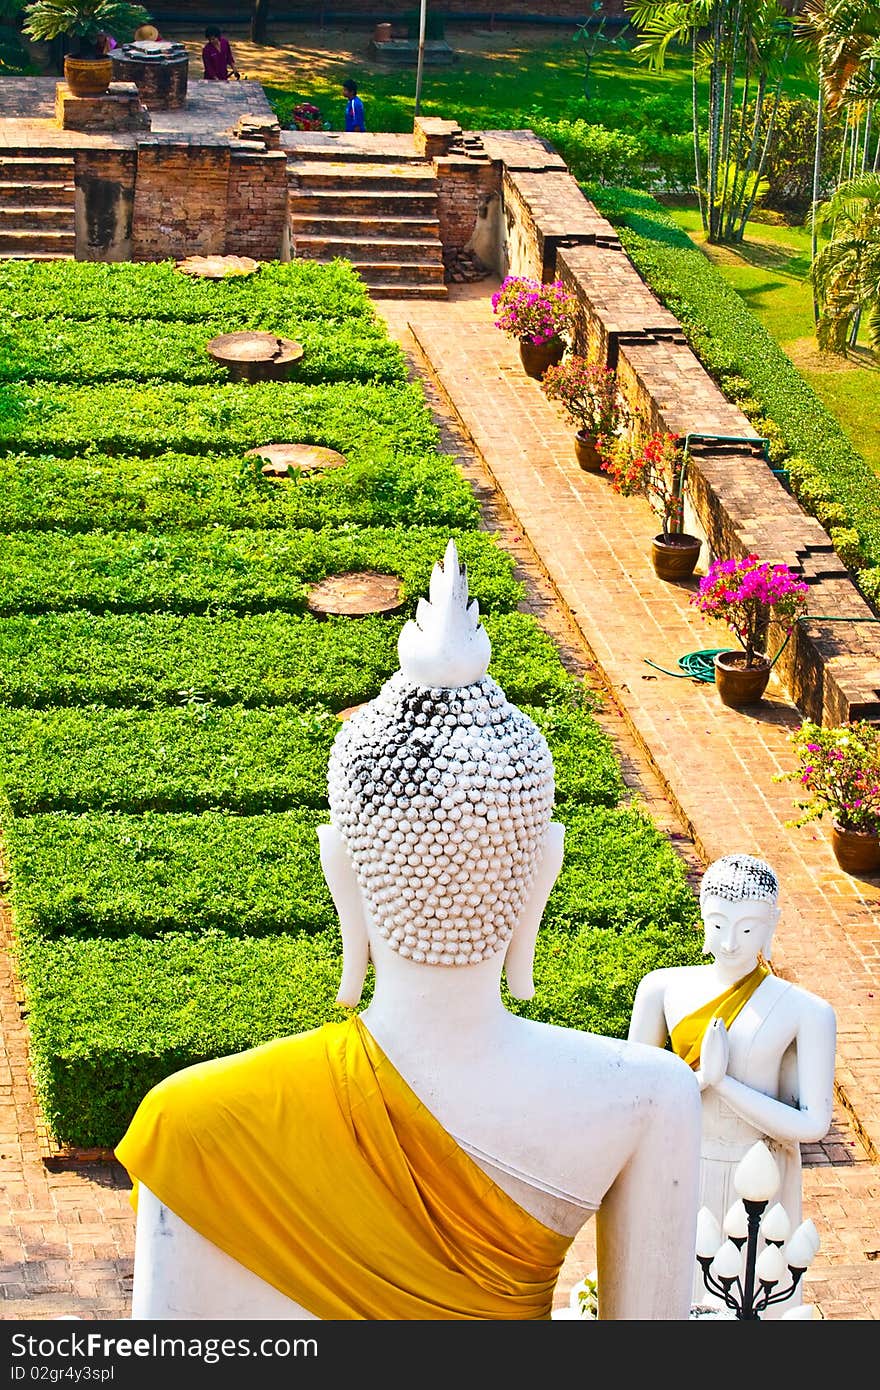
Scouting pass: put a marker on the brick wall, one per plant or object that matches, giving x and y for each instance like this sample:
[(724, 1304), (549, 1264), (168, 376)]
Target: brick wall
[(180, 199), (736, 503), (105, 182), (468, 199), (256, 207)]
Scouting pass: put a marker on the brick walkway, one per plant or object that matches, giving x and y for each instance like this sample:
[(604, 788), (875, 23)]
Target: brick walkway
[(703, 772)]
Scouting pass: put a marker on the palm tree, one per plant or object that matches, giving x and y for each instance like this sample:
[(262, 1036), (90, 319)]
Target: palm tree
[(846, 272)]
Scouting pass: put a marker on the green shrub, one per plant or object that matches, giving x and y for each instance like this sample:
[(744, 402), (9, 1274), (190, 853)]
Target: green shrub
[(97, 492), (134, 419), (106, 350), (237, 571), (126, 290), (262, 659)]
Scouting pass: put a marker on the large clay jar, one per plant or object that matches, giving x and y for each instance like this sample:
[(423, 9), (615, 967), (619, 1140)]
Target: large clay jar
[(739, 684), (856, 851), (88, 77), (587, 452), (675, 556), (537, 357)]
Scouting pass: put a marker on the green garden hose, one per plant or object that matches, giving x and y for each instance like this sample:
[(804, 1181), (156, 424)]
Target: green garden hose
[(699, 666)]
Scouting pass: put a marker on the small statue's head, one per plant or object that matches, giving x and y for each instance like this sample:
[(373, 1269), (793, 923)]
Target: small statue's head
[(738, 903), (442, 791)]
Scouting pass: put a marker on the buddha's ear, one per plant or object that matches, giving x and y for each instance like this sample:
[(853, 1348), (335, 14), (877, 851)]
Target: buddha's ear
[(773, 916), (520, 959), (345, 891)]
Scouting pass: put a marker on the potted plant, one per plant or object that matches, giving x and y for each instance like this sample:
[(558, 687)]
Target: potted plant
[(590, 398), (838, 772), (88, 69), (745, 594), (657, 468), (537, 314)]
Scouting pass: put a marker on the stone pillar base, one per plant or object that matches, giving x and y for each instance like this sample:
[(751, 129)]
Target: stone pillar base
[(120, 108)]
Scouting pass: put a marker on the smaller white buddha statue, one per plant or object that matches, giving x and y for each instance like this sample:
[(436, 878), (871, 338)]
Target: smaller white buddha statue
[(762, 1048)]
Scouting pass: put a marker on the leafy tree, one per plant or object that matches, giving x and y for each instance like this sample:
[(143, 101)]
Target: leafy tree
[(846, 272), (741, 46), (83, 21)]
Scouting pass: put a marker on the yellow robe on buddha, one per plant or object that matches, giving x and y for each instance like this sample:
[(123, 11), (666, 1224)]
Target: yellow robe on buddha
[(312, 1163), (687, 1035)]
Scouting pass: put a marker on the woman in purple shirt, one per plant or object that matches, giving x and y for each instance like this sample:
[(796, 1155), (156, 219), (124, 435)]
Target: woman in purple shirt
[(217, 57)]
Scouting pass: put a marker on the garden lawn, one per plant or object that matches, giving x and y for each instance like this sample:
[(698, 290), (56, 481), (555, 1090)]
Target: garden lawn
[(167, 704)]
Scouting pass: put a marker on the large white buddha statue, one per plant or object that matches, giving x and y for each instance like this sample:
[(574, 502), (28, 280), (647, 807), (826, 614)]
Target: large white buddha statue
[(433, 1156), (762, 1048)]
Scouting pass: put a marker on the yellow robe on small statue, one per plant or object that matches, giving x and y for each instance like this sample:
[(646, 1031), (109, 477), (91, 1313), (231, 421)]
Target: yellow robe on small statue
[(312, 1163)]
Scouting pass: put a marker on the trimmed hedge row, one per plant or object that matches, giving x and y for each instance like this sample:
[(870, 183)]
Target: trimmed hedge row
[(97, 492), (261, 659), (134, 419), (247, 760), (125, 290), (150, 1006), (233, 571), (153, 350), (754, 371)]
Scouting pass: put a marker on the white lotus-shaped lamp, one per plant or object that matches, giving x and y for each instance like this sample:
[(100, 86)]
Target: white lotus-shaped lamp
[(709, 1237), (757, 1177), (727, 1264), (802, 1247), (770, 1266), (776, 1227), (736, 1223)]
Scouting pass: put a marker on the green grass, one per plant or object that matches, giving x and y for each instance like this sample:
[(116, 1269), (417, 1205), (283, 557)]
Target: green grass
[(770, 273)]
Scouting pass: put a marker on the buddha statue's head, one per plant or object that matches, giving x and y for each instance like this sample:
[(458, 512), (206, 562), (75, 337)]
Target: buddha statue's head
[(441, 794), (738, 904)]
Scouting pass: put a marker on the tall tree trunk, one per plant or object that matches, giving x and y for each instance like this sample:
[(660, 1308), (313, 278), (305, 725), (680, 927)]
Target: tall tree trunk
[(259, 21), (757, 169), (817, 187), (695, 108), (714, 119)]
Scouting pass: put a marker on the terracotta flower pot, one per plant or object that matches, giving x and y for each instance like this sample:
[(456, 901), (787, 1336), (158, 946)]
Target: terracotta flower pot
[(675, 557), (587, 452), (737, 683), (88, 77), (856, 851), (537, 357)]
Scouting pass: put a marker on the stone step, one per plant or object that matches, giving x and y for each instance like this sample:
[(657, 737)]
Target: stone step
[(48, 218), (33, 168), (400, 272), (35, 193), (357, 248), (382, 290), (311, 174), (360, 202), (31, 244), (319, 224)]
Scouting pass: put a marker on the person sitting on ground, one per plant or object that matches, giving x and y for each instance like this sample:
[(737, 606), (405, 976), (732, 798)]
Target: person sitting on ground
[(354, 107), (217, 56)]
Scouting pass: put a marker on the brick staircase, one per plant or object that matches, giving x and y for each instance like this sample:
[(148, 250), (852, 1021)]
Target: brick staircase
[(380, 216), (37, 196)]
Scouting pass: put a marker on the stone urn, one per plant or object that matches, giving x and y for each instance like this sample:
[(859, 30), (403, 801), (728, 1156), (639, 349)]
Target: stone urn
[(738, 684), (675, 556), (88, 77), (856, 851), (537, 357)]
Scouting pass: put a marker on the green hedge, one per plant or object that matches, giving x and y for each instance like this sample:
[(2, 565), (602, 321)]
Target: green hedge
[(263, 659), (208, 757), (153, 350), (747, 363), (97, 492), (136, 419), (166, 1002), (236, 571), (124, 290)]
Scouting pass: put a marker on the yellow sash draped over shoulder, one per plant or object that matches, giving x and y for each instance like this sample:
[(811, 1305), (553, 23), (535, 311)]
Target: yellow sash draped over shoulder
[(311, 1162), (687, 1035)]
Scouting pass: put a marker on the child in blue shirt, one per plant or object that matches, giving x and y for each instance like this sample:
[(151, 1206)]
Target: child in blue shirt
[(354, 107)]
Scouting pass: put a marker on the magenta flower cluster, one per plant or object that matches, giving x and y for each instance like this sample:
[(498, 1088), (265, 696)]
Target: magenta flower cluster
[(532, 310), (746, 593), (838, 772)]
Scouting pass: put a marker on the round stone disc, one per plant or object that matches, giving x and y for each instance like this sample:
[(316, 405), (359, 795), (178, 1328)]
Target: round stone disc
[(235, 348), (349, 711), (356, 594), (284, 459), (217, 267)]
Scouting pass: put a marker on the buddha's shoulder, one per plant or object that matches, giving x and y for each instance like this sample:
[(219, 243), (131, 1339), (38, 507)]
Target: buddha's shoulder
[(615, 1063)]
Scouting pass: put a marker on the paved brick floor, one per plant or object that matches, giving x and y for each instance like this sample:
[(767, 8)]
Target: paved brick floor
[(703, 773)]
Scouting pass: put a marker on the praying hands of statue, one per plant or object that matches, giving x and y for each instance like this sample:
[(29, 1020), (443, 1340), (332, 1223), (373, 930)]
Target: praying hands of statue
[(714, 1055)]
